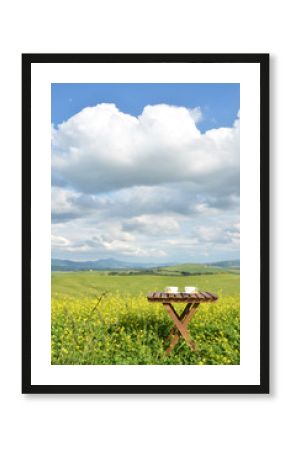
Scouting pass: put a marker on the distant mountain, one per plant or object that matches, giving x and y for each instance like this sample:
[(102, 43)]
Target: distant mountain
[(111, 264), (100, 264)]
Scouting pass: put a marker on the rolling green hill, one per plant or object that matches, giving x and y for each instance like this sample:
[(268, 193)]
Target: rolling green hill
[(91, 284), (193, 269)]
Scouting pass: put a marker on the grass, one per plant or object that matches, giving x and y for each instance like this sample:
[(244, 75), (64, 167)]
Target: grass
[(193, 268), (103, 319)]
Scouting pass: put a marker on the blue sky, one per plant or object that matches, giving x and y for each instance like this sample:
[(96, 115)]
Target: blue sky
[(219, 102), (142, 171)]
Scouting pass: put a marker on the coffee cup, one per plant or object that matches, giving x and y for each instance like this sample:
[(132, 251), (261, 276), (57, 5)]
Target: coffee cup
[(190, 289), (171, 289)]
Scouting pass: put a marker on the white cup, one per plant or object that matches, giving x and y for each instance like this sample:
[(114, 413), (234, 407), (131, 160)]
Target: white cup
[(190, 289), (171, 289)]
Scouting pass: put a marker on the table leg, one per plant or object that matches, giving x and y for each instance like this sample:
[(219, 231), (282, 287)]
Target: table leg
[(174, 331), (185, 317), (180, 323)]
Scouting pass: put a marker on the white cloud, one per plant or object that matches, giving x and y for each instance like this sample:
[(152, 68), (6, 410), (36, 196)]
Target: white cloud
[(221, 233), (100, 242), (152, 224), (101, 149), (143, 187), (59, 241), (146, 202)]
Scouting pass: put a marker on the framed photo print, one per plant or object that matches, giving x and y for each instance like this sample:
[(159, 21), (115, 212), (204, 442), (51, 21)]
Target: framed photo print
[(145, 223)]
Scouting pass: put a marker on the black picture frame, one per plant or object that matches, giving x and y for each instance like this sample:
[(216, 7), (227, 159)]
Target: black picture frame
[(263, 61)]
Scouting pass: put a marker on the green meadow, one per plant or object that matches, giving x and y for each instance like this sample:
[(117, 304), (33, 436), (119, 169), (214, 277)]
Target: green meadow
[(102, 317)]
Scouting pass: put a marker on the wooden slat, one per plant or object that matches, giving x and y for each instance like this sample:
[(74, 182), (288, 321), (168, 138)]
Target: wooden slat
[(202, 296), (213, 296)]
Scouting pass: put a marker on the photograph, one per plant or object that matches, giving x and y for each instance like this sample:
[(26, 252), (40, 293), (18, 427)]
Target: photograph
[(145, 223)]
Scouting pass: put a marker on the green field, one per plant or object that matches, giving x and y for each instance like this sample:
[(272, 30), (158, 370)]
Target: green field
[(192, 269), (99, 318)]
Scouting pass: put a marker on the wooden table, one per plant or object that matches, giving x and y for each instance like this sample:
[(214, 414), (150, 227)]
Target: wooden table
[(181, 321)]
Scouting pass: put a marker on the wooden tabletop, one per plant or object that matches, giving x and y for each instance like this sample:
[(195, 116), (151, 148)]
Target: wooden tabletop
[(195, 297)]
